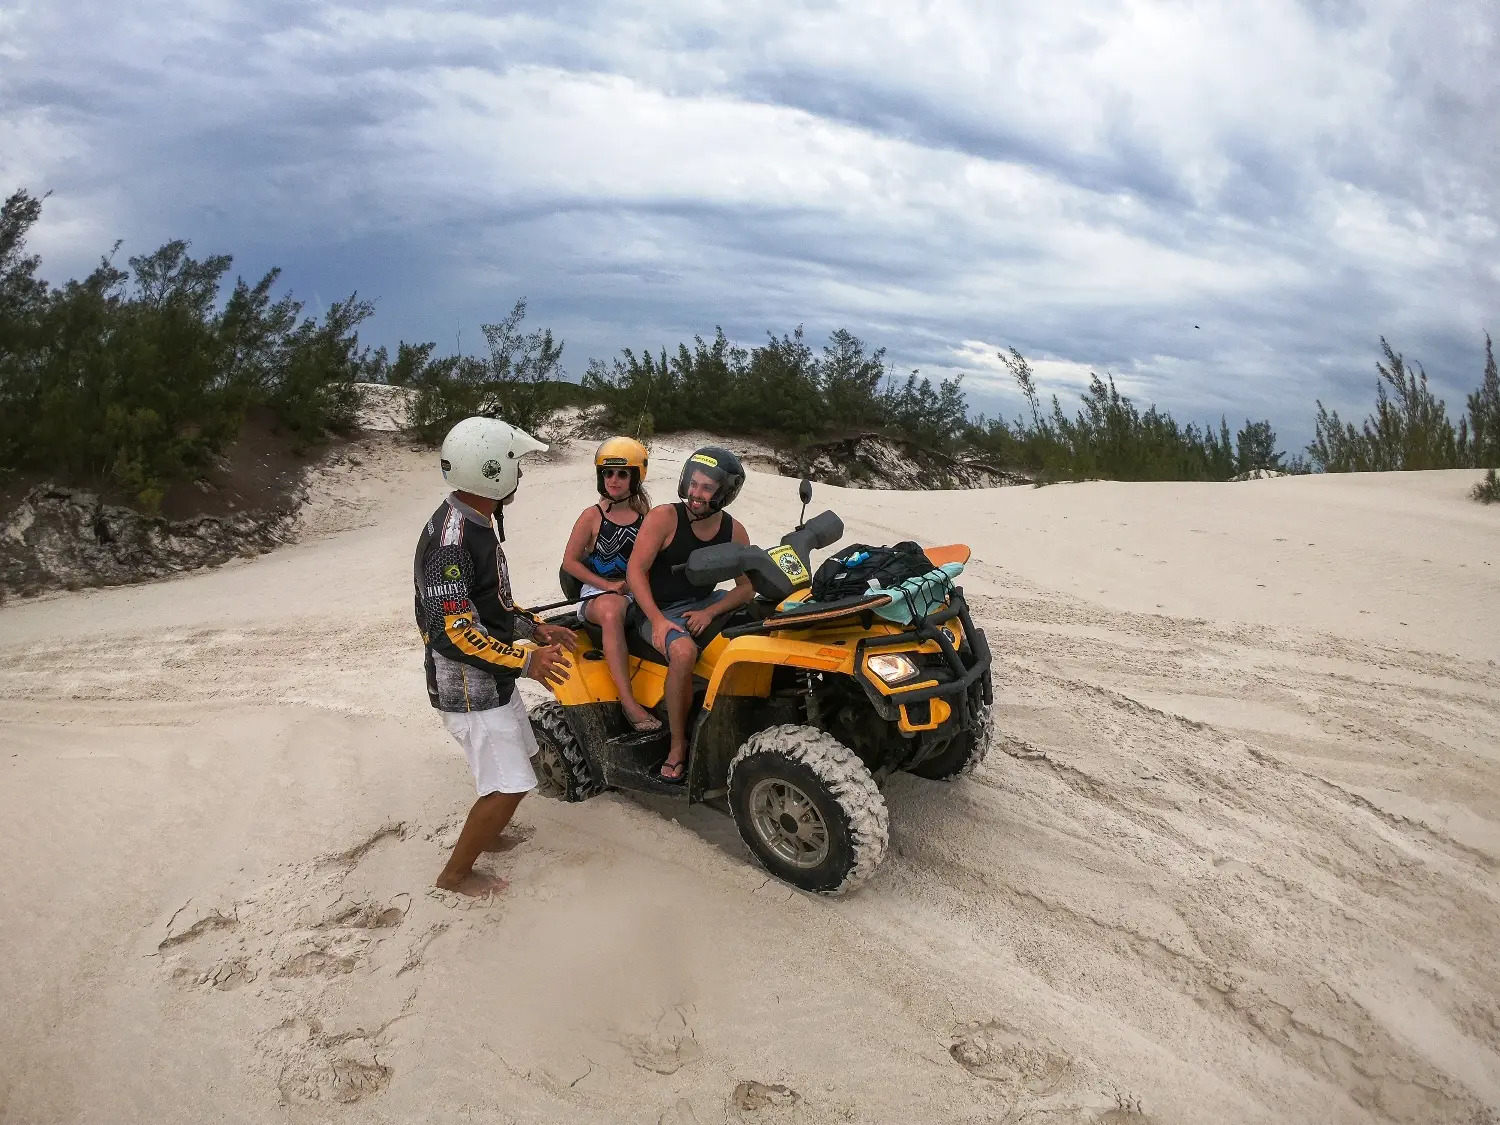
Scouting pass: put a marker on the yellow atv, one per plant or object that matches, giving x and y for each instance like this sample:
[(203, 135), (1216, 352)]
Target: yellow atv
[(801, 709)]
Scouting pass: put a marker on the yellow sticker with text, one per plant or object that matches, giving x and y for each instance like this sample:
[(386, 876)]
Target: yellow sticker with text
[(790, 564)]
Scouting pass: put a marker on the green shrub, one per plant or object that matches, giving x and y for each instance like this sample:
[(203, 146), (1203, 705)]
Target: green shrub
[(1412, 431), (1111, 438), (1487, 491), (781, 388), (520, 380), (1484, 415), (138, 378)]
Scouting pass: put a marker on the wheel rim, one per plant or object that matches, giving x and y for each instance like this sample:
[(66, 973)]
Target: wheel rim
[(551, 770), (788, 823)]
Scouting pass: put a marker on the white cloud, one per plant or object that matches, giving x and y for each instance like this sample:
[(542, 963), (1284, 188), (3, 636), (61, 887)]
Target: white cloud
[(1218, 203)]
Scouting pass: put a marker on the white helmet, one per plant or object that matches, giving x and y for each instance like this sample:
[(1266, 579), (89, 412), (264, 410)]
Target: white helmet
[(483, 456)]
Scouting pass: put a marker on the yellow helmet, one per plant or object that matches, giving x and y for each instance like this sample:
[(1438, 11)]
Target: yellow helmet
[(621, 453)]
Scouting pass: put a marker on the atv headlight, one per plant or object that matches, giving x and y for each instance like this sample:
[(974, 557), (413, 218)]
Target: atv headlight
[(892, 667)]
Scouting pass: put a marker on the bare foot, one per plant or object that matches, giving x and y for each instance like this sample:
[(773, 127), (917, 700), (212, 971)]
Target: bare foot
[(474, 884), (510, 836)]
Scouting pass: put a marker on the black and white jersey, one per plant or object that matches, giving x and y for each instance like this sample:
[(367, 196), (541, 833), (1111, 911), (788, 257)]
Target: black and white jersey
[(468, 620)]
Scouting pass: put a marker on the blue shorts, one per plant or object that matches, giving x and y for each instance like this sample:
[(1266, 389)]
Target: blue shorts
[(677, 613)]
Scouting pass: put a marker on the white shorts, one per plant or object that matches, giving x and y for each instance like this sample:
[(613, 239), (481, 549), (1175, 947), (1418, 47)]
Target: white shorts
[(499, 745)]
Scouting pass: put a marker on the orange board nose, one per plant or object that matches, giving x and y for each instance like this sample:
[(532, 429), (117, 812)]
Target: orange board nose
[(953, 552)]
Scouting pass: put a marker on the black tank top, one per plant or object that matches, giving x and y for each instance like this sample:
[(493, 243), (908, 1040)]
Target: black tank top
[(668, 588)]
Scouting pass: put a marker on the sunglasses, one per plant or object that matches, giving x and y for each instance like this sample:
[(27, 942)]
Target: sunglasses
[(611, 474)]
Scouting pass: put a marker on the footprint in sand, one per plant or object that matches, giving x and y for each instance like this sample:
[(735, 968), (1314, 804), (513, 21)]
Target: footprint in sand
[(310, 943), (998, 1053), (366, 914), (1043, 1085), (763, 1102), (318, 962), (229, 975), (316, 1067), (668, 1047), (206, 924), (680, 1113), (1127, 1112)]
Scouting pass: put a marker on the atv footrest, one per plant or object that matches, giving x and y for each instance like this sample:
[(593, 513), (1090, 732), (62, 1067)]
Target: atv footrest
[(636, 742), (632, 759), (645, 778)]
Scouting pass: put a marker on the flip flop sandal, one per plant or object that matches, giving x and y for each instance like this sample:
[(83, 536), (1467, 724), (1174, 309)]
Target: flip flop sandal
[(649, 726), (661, 772)]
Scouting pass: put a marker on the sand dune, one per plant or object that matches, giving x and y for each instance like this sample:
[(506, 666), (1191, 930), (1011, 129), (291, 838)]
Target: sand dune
[(1234, 857)]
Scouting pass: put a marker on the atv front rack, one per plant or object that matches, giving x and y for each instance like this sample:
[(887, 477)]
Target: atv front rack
[(894, 704)]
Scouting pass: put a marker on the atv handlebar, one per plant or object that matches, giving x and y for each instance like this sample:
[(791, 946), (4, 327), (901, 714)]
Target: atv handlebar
[(708, 566), (823, 529)]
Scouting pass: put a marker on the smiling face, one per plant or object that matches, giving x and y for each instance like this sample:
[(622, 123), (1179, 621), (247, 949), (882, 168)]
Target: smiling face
[(617, 483), (701, 489)]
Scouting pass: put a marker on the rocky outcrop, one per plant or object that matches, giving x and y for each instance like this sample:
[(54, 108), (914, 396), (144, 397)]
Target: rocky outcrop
[(1259, 474), (876, 461), (62, 537)]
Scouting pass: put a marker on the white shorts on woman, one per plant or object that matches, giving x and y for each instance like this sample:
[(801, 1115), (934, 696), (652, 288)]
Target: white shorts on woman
[(589, 593)]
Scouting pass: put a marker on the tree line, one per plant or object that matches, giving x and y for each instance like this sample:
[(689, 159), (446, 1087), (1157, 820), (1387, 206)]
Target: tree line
[(141, 376)]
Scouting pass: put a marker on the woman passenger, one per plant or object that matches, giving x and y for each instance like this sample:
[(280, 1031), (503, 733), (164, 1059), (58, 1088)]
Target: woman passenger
[(596, 554)]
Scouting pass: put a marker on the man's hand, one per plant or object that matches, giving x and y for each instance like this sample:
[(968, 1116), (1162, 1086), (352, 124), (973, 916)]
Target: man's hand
[(548, 665), (698, 620), (557, 635), (659, 630), (615, 587)]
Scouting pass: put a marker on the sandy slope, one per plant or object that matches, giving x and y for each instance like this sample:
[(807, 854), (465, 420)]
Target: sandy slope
[(1235, 860)]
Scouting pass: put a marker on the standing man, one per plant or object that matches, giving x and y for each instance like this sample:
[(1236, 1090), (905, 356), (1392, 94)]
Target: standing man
[(674, 613), (469, 624)]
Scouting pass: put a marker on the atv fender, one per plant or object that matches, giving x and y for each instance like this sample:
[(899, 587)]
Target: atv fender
[(744, 667)]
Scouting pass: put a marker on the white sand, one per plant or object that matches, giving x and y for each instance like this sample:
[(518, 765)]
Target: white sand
[(1236, 859)]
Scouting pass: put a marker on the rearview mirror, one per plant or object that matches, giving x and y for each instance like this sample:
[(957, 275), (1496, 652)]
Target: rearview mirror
[(804, 491)]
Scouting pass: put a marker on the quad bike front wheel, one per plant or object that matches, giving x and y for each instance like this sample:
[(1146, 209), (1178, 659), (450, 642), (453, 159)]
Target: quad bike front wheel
[(808, 808), (963, 755), (967, 750), (562, 771)]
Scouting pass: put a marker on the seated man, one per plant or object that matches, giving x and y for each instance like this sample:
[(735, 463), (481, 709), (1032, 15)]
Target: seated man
[(673, 611)]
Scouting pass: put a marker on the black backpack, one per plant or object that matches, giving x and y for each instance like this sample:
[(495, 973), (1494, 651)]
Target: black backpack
[(849, 572)]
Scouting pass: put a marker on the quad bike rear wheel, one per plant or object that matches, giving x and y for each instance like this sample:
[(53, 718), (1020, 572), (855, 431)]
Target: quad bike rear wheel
[(562, 771), (808, 808)]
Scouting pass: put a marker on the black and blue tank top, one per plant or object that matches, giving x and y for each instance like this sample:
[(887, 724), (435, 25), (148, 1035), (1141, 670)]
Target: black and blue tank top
[(612, 545)]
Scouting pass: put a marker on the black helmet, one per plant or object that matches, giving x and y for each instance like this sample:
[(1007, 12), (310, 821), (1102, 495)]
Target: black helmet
[(717, 464)]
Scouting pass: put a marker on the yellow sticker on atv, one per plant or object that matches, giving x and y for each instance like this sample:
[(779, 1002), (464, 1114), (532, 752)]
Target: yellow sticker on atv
[(790, 564)]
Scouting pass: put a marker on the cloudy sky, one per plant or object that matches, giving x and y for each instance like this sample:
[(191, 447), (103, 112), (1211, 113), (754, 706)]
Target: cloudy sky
[(1222, 204)]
